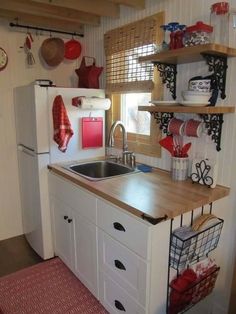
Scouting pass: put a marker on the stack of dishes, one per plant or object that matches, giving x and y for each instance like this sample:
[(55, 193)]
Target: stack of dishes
[(198, 93)]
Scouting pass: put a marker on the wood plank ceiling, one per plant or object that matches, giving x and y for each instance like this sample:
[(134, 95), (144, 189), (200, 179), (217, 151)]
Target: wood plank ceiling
[(68, 15)]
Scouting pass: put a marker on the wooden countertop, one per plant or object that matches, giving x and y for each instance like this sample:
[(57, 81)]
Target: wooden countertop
[(153, 194)]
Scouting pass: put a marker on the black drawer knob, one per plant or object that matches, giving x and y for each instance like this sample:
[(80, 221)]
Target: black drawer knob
[(118, 226), (65, 217), (119, 306), (119, 265), (69, 221)]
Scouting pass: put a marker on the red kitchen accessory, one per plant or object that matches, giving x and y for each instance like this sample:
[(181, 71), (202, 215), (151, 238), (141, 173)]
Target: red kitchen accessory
[(193, 128), (72, 49), (198, 34), (185, 149), (92, 132), (88, 75), (168, 144), (27, 47), (221, 21), (175, 126), (61, 124)]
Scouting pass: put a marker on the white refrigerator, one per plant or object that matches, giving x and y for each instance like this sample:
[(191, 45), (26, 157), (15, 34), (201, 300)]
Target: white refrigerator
[(36, 149)]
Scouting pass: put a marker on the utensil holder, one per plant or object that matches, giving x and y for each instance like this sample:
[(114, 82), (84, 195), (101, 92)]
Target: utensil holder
[(179, 168)]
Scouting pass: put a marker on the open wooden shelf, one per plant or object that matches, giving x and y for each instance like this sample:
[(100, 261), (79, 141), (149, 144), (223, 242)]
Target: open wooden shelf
[(189, 54), (185, 109)]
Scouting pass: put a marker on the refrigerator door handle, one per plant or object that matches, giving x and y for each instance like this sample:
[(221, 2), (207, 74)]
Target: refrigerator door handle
[(25, 150)]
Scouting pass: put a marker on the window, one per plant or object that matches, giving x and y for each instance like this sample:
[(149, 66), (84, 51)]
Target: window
[(131, 84), (135, 121)]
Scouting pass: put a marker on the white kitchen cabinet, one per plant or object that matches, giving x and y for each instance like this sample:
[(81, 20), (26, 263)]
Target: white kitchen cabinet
[(63, 230), (86, 253), (115, 299), (124, 266), (75, 237), (124, 239)]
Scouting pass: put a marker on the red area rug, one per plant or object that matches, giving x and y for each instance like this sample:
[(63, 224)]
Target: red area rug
[(46, 288)]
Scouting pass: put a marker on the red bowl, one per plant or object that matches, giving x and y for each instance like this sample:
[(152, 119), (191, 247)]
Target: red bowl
[(72, 49)]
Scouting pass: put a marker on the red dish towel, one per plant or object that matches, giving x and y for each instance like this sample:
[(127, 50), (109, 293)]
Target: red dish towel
[(61, 124)]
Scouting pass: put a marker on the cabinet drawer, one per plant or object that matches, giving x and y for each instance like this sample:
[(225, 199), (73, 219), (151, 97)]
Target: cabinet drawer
[(115, 299), (124, 228), (123, 266), (74, 196)]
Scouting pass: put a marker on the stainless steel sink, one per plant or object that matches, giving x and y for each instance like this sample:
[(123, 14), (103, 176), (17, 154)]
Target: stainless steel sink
[(100, 170)]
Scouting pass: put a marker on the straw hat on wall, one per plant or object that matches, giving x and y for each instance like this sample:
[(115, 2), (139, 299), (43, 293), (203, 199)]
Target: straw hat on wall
[(53, 50)]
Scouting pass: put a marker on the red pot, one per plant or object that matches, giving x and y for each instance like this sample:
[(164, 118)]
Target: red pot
[(72, 49)]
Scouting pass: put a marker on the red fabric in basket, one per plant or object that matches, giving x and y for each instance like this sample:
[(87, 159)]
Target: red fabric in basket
[(178, 298)]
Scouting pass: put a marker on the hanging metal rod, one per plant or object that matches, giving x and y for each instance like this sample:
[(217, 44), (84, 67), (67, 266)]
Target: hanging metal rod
[(45, 29)]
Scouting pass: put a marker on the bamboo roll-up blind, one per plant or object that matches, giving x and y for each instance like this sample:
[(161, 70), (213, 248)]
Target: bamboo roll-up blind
[(123, 47)]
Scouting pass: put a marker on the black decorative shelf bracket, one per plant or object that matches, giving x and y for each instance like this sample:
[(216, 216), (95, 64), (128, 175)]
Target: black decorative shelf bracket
[(168, 73), (218, 65), (163, 119), (213, 124)]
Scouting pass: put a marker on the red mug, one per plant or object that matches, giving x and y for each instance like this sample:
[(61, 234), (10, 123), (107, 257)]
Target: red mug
[(193, 128), (176, 126)]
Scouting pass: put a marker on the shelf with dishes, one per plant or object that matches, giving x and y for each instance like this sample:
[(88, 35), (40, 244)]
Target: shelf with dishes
[(177, 108), (189, 54), (215, 56), (211, 116)]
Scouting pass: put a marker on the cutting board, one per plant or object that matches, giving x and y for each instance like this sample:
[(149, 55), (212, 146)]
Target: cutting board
[(92, 132)]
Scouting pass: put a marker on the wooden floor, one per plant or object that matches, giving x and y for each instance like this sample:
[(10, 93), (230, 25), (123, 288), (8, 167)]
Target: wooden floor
[(16, 254)]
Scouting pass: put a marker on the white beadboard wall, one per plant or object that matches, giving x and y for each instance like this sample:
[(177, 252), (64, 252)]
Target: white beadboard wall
[(17, 73), (189, 12)]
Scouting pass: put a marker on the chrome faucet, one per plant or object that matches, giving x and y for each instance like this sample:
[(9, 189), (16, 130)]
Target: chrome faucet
[(127, 156), (111, 135)]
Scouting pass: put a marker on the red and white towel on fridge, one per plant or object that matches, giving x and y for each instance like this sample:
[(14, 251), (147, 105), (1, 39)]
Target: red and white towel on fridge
[(61, 123)]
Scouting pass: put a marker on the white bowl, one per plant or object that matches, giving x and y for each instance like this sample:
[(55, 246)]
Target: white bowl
[(196, 96), (200, 85)]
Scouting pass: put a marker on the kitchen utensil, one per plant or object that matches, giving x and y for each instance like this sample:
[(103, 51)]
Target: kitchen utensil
[(185, 149), (179, 168), (167, 143), (92, 132), (72, 49), (178, 144), (27, 47), (88, 75), (53, 51)]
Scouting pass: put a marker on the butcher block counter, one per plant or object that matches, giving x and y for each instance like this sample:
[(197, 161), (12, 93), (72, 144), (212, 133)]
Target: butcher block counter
[(153, 194)]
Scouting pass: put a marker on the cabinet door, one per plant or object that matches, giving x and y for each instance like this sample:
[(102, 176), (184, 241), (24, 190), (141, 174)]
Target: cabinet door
[(86, 253), (63, 232)]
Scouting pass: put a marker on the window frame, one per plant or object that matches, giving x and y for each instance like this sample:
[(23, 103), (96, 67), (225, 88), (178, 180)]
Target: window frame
[(138, 143)]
